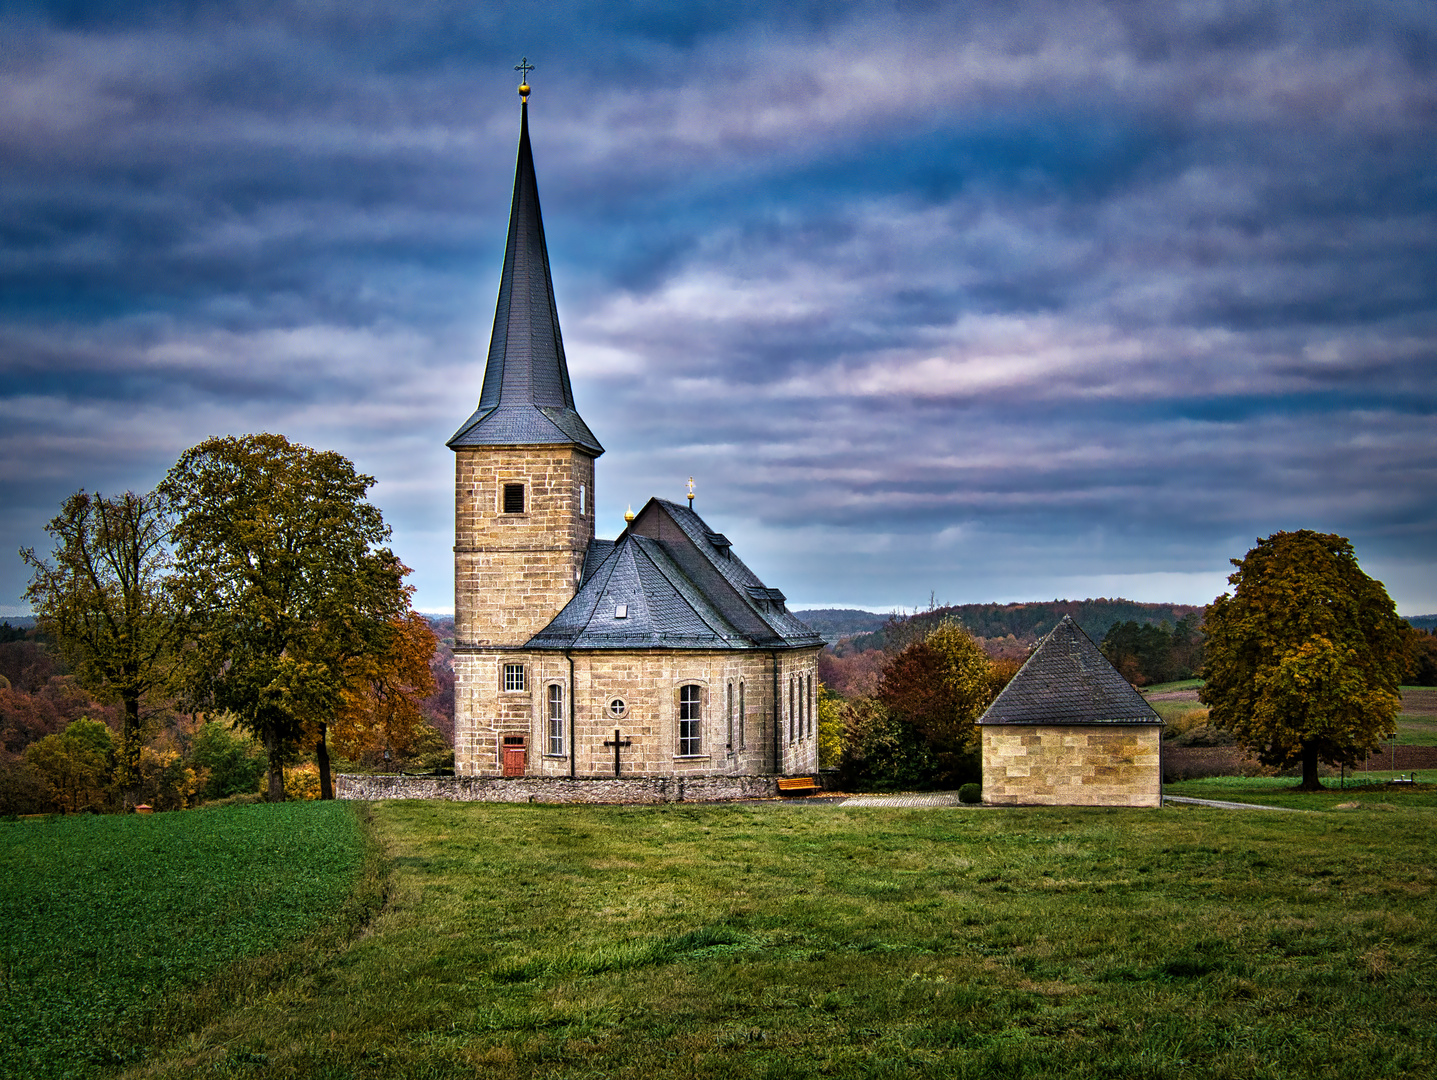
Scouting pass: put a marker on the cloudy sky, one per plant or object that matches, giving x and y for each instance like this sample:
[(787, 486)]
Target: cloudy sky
[(980, 301)]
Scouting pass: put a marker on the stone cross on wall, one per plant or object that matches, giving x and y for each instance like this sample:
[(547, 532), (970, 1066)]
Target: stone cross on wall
[(616, 743)]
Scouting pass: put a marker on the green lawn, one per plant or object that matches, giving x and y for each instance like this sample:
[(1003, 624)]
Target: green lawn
[(1370, 791), (793, 941), (117, 930)]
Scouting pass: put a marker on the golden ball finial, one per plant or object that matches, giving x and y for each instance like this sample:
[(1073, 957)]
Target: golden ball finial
[(629, 513), (523, 91)]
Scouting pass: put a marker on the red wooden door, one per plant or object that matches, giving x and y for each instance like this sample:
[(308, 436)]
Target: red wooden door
[(514, 749)]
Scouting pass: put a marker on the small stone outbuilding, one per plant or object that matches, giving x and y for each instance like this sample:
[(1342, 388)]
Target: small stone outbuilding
[(1070, 731)]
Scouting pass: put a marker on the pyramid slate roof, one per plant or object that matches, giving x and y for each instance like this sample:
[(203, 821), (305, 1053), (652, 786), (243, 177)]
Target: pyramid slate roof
[(1068, 681), (669, 581), (526, 398)]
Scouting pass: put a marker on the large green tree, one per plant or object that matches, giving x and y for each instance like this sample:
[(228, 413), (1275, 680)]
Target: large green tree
[(1302, 659), (105, 601), (282, 570)]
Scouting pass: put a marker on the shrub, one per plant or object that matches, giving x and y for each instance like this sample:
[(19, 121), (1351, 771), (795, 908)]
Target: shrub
[(970, 793), (231, 761)]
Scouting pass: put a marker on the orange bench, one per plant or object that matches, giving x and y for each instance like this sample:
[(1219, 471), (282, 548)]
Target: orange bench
[(801, 785)]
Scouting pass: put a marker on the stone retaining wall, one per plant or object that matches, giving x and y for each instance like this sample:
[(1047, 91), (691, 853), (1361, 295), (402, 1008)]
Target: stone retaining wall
[(549, 789)]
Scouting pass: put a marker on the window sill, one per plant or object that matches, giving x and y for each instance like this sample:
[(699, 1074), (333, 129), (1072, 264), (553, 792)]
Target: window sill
[(691, 757)]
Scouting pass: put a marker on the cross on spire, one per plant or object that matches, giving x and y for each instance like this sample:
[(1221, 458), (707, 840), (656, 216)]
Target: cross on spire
[(523, 67)]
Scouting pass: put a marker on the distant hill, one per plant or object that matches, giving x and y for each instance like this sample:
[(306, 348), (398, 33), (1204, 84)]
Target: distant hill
[(1032, 620), (1422, 622), (835, 623)]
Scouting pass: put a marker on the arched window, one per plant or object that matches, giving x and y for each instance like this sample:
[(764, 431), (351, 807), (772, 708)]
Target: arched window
[(690, 720), (790, 708), (741, 743), (809, 702), (728, 711), (556, 719)]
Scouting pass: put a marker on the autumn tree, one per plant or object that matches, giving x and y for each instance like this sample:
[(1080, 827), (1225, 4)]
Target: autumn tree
[(78, 764), (830, 728), (940, 685), (105, 602), (382, 708), (281, 569), (1302, 660)]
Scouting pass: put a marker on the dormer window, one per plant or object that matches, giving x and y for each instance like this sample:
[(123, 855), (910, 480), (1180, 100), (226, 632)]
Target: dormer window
[(513, 498), (621, 611)]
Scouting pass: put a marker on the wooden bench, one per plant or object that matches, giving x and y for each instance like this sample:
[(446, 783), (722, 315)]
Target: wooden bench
[(796, 785)]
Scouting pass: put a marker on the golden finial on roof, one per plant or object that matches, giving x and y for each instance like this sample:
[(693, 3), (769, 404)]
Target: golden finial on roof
[(691, 490), (629, 513), (523, 67)]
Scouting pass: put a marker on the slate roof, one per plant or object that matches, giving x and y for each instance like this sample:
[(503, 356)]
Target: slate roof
[(526, 397), (1068, 681), (680, 586)]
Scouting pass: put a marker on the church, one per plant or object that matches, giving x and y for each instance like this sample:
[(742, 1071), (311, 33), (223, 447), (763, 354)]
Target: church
[(658, 654)]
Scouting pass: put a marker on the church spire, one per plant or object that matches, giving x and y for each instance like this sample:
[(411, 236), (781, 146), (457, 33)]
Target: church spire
[(526, 397)]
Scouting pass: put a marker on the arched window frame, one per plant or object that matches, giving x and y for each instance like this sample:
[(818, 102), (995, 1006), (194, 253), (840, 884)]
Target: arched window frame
[(741, 713), (728, 712), (554, 718), (690, 724)]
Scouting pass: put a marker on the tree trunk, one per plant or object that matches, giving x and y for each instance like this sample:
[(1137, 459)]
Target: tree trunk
[(1309, 768), (274, 754), (130, 753), (321, 755)]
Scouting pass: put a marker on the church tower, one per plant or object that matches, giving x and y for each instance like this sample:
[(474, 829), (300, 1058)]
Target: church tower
[(523, 490)]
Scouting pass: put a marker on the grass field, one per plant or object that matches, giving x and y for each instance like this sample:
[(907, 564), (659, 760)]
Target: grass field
[(119, 930), (793, 941), (1417, 725), (1368, 791)]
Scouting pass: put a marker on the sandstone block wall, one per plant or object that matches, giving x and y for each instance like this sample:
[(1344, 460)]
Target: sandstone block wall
[(736, 727), (539, 789), (514, 572), (1077, 765)]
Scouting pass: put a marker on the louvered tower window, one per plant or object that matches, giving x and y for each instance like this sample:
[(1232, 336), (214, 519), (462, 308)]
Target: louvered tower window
[(513, 498)]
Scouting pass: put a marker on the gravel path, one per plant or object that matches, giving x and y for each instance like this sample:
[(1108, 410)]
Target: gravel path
[(1231, 805), (903, 799)]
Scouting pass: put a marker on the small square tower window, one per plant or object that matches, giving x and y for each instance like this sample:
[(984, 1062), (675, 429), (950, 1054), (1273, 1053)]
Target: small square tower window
[(513, 678), (513, 498)]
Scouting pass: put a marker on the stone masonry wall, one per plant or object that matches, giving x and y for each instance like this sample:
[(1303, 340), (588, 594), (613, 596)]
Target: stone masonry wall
[(543, 789), (1074, 765), (733, 741), (514, 572)]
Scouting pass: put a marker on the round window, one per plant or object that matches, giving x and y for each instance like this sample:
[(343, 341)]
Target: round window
[(618, 709)]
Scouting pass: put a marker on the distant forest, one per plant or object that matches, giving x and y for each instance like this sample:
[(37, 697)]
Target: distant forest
[(1025, 623)]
